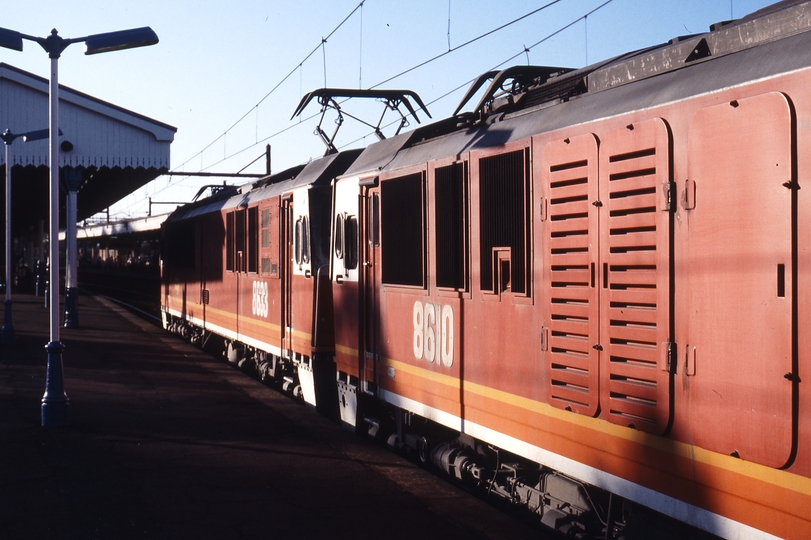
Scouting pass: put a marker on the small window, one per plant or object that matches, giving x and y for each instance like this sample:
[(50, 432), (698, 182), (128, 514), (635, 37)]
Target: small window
[(265, 229), (299, 250), (351, 243), (402, 230), (339, 236), (374, 226), (346, 240)]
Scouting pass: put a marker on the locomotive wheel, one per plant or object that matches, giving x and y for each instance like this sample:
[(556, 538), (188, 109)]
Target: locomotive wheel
[(422, 450)]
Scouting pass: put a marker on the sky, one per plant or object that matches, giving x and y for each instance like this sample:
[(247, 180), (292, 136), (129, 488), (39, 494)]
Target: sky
[(229, 75)]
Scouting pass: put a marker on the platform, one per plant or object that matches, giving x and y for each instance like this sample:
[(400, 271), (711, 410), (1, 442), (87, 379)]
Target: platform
[(165, 441)]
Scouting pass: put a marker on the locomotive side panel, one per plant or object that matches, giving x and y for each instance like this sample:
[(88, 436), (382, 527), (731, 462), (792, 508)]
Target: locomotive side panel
[(739, 349), (657, 468), (178, 265), (249, 293), (419, 361), (217, 298), (193, 269), (500, 336), (798, 91), (727, 279)]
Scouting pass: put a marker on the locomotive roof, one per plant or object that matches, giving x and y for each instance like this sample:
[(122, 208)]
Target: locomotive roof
[(770, 41), (317, 173), (376, 156)]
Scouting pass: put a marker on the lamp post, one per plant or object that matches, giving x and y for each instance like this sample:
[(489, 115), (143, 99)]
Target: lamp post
[(73, 179), (55, 400), (7, 334)]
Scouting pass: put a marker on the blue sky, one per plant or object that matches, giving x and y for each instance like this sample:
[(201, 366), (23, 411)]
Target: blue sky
[(213, 74)]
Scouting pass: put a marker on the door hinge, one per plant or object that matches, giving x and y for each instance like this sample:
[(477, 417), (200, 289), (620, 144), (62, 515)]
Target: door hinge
[(669, 361), (668, 188), (544, 339)]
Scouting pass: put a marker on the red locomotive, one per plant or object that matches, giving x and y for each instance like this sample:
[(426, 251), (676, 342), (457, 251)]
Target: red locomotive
[(585, 295)]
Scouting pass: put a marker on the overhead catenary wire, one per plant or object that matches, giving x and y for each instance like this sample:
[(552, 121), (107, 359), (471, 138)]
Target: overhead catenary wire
[(456, 89), (510, 59), (469, 42), (324, 40), (525, 50), (558, 31), (276, 87)]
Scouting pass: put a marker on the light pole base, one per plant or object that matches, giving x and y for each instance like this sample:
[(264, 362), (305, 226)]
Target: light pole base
[(7, 335), (71, 308), (55, 401)]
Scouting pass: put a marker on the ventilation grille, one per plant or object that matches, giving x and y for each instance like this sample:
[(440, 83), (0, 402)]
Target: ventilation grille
[(631, 280), (571, 312), (502, 203), (451, 225)]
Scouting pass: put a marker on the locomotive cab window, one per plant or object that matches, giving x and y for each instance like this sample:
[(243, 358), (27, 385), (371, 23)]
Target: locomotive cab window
[(503, 223), (402, 230), (301, 241), (339, 236), (374, 226), (346, 240), (351, 243)]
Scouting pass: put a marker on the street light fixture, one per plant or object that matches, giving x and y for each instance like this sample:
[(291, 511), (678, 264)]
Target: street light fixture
[(7, 334), (55, 400)]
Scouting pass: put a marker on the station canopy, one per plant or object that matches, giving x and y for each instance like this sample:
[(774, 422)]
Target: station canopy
[(112, 150)]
